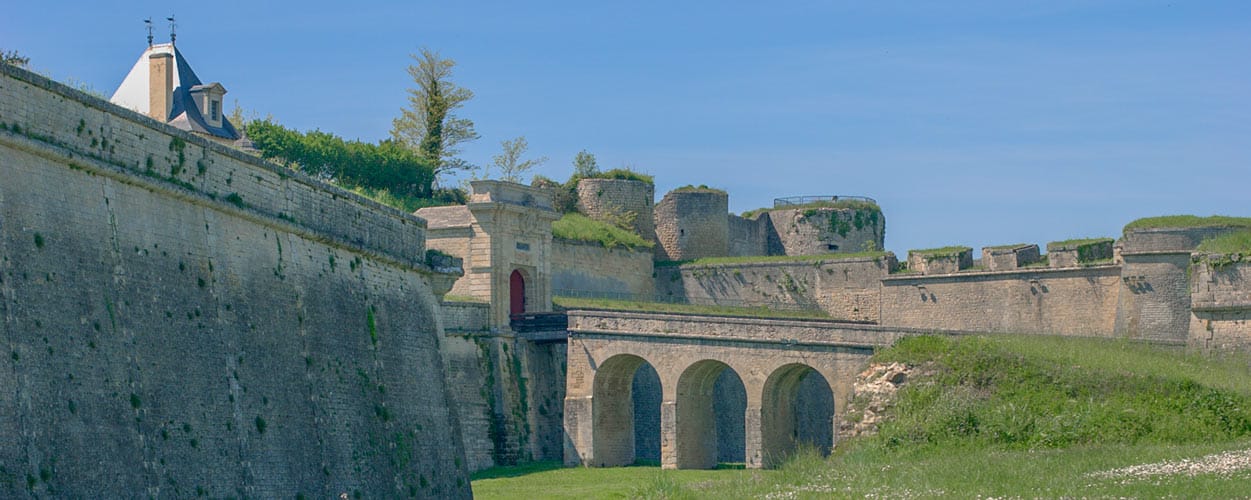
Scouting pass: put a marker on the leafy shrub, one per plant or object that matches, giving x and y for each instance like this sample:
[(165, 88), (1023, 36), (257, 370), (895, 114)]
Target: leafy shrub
[(388, 165)]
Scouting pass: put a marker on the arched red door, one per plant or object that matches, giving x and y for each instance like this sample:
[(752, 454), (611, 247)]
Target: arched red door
[(516, 293)]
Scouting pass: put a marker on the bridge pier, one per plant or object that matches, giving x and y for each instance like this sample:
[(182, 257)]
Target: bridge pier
[(669, 434), (753, 447)]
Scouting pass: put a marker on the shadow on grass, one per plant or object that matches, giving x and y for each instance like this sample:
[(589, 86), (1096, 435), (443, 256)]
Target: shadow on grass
[(535, 467), (515, 470)]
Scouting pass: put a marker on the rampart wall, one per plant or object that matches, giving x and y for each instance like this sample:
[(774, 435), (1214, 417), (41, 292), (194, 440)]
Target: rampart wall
[(508, 394), (692, 224), (182, 319), (816, 231), (1155, 286), (1220, 303), (748, 237), (618, 201), (591, 268), (465, 317), (1076, 301), (846, 288)]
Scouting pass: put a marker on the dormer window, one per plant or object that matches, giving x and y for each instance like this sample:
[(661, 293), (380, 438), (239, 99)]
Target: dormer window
[(208, 99)]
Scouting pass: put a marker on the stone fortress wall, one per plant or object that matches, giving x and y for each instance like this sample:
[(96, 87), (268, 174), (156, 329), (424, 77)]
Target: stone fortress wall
[(294, 284), (692, 223), (591, 269), (1220, 305), (183, 319), (619, 201)]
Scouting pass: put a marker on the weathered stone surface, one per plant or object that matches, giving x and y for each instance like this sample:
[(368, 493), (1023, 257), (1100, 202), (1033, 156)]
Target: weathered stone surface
[(1075, 301), (814, 231), (1007, 258), (947, 262), (182, 319), (692, 224), (846, 288), (1220, 299), (589, 269), (618, 201)]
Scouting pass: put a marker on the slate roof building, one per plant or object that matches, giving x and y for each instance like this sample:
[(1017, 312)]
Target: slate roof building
[(163, 86)]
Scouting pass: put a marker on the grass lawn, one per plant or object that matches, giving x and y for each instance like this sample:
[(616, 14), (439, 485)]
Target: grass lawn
[(933, 473), (550, 480)]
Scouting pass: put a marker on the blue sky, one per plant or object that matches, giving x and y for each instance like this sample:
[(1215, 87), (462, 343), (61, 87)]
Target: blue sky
[(973, 123)]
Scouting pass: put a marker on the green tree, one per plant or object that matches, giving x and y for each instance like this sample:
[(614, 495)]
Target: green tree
[(429, 124), (11, 57), (584, 164), (509, 160)]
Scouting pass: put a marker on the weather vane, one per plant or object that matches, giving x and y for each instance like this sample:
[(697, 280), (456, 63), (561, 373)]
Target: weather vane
[(148, 22), (172, 25)]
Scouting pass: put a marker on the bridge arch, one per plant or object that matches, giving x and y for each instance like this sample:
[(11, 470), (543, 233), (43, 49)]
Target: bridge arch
[(797, 409), (614, 411), (709, 425)]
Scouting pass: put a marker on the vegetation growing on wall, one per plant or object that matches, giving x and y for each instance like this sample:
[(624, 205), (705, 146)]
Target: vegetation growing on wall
[(1088, 249), (388, 172), (578, 227), (1225, 249), (811, 208), (932, 254), (1230, 243), (565, 196), (1185, 221)]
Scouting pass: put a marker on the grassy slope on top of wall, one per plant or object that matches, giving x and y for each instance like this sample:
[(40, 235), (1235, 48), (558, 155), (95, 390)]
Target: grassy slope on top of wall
[(768, 259), (840, 205), (578, 227), (1185, 221), (624, 174), (941, 252), (1076, 243), (1231, 243)]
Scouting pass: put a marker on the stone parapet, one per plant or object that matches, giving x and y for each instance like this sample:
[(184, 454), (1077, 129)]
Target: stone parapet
[(692, 224), (1009, 257), (1078, 252), (940, 260), (45, 117), (1074, 301)]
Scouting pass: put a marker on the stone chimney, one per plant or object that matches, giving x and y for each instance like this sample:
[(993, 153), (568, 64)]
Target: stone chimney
[(160, 85)]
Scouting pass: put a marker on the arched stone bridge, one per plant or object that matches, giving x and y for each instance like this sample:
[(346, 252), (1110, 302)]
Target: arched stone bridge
[(773, 369)]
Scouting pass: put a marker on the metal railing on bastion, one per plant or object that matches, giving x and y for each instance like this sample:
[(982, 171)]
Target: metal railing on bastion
[(697, 301), (804, 200)]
